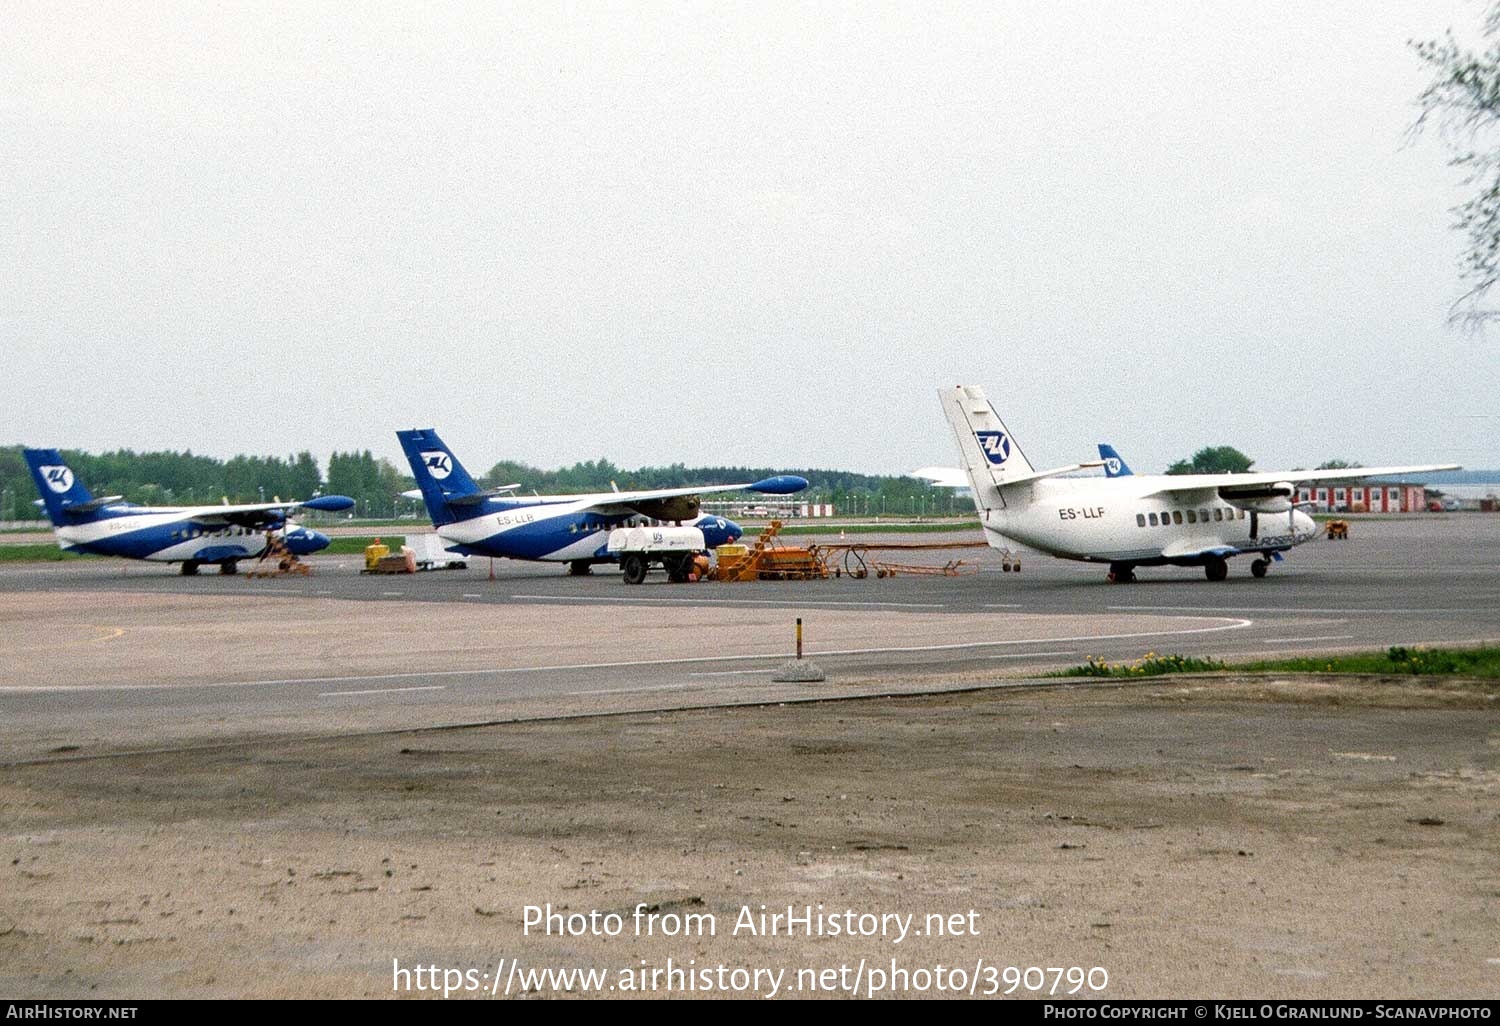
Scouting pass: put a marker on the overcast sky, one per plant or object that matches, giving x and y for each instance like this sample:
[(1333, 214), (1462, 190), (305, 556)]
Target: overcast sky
[(715, 233)]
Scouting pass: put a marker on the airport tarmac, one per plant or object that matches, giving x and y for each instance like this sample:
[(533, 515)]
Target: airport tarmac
[(196, 806), (100, 654)]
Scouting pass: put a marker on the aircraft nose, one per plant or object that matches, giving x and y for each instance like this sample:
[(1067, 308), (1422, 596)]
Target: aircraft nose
[(720, 531)]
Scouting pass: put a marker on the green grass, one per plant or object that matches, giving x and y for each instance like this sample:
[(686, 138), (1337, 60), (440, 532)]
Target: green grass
[(798, 527), (39, 553), (1456, 662), (345, 545), (1398, 660), (1149, 665)]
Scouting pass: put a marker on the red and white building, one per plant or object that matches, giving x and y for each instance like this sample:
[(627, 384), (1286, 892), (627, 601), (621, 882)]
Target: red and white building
[(1343, 497)]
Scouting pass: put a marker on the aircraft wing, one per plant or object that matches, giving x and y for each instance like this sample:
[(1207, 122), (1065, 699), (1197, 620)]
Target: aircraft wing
[(942, 477), (645, 501), (1213, 482), (261, 514)]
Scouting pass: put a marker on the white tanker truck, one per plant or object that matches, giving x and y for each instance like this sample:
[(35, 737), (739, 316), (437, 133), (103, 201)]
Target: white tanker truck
[(680, 550)]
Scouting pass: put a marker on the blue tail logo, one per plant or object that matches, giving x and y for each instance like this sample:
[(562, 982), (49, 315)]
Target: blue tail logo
[(438, 464), (59, 479), (1114, 466), (995, 444)]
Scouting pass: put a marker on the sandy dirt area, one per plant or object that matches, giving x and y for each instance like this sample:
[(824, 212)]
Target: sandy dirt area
[(1206, 836)]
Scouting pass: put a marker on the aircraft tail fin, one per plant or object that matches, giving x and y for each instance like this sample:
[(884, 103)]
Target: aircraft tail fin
[(1114, 466), (59, 488), (440, 476), (990, 454)]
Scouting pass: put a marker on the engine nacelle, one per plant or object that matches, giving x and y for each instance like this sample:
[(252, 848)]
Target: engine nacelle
[(1271, 498), (679, 507)]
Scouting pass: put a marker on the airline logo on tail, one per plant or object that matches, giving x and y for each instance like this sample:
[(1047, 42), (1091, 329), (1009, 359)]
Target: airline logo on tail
[(438, 464), (1112, 466), (995, 445), (59, 479)]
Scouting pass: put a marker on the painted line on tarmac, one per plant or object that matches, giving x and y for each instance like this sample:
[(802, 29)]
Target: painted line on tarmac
[(1207, 610), (382, 691), (1227, 624), (1320, 637), (630, 691), (734, 673), (732, 602)]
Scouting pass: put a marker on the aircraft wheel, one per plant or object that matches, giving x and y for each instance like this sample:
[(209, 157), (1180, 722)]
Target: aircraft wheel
[(1259, 568), (1121, 573), (580, 568), (190, 568), (229, 568), (634, 567), (1216, 570)]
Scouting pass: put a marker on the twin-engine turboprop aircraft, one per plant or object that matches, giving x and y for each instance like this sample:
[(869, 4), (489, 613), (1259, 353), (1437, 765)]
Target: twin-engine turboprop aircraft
[(190, 535), (572, 529), (1123, 519)]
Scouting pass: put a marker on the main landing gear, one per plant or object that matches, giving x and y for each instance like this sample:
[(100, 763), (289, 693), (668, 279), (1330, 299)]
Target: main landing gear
[(1121, 573), (189, 568), (580, 568), (1216, 569)]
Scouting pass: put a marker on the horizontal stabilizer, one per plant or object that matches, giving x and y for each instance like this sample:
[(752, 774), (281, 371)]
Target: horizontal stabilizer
[(942, 477), (1054, 472), (92, 506)]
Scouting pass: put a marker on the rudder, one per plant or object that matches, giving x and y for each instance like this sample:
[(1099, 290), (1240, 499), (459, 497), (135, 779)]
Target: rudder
[(990, 453), (58, 486), (440, 476)]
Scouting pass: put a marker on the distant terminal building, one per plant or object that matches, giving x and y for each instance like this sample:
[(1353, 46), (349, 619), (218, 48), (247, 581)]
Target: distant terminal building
[(781, 509), (1342, 497)]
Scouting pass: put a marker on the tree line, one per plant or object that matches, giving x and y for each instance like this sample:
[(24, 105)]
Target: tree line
[(182, 478)]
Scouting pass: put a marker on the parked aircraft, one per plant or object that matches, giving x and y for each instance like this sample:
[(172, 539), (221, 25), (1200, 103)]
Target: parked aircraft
[(572, 529), (1130, 520), (190, 535)]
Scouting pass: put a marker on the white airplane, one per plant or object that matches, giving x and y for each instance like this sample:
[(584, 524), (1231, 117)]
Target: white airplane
[(1129, 520), (190, 535)]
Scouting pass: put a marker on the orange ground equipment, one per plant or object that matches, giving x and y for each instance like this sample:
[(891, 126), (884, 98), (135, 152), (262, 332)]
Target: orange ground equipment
[(1338, 530), (857, 560), (278, 560), (768, 560)]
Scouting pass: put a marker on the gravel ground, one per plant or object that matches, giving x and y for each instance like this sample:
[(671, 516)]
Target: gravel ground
[(1193, 837)]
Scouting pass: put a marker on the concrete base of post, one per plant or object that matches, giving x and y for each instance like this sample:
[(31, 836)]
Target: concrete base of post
[(799, 671)]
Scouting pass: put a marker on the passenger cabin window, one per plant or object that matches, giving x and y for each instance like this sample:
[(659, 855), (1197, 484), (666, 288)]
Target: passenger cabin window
[(1192, 517), (1218, 515), (1177, 516), (1153, 520), (1140, 520)]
